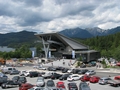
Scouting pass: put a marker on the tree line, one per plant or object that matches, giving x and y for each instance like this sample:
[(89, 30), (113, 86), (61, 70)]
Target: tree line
[(109, 46), (21, 52)]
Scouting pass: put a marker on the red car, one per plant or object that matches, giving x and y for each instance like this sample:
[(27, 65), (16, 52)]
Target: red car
[(94, 79), (26, 86), (60, 84), (117, 77), (118, 64), (85, 78)]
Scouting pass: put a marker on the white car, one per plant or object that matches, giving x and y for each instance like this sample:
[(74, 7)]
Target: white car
[(39, 88), (40, 82), (47, 75), (70, 70), (73, 77), (41, 68), (22, 72), (27, 73), (90, 72)]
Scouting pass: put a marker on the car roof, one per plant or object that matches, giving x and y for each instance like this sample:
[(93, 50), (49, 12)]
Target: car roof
[(104, 77), (74, 75), (72, 83), (25, 84), (60, 82), (41, 87)]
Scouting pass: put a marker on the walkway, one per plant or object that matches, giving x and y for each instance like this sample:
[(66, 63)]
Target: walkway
[(60, 63)]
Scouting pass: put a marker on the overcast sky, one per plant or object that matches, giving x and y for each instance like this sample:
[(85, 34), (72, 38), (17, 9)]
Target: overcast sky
[(56, 15)]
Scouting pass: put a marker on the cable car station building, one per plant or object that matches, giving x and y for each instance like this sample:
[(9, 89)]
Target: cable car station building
[(58, 45)]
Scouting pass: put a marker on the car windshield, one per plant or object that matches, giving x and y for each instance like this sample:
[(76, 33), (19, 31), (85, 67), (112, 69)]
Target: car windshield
[(60, 85), (73, 86), (39, 80), (31, 89), (84, 85), (50, 83), (21, 78)]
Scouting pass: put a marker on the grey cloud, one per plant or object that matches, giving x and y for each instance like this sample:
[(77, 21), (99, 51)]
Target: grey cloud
[(5, 10), (59, 2), (35, 3), (34, 13)]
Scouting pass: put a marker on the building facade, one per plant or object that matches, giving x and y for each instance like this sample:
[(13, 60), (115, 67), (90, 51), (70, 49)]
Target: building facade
[(58, 45)]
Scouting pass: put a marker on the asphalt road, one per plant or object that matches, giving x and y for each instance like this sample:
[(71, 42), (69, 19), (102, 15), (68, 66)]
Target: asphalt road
[(92, 86)]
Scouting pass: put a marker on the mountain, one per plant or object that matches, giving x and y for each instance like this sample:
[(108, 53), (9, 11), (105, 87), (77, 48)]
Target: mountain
[(76, 33), (88, 32), (112, 31), (17, 37), (95, 31)]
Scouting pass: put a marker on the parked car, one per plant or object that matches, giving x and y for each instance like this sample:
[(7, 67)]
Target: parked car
[(26, 86), (55, 88), (47, 75), (34, 74), (94, 79), (3, 78), (73, 77), (83, 66), (104, 80), (27, 73), (51, 69), (115, 82), (93, 63), (60, 84), (13, 72), (117, 77), (85, 78), (22, 72), (64, 76), (9, 84), (40, 82), (70, 70), (65, 70), (39, 88), (50, 83), (82, 71), (90, 72), (55, 76), (72, 86), (7, 70), (36, 66), (59, 68), (118, 64), (75, 71), (19, 79), (41, 68), (84, 86)]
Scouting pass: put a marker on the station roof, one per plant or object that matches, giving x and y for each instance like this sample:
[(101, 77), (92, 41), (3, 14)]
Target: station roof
[(59, 39)]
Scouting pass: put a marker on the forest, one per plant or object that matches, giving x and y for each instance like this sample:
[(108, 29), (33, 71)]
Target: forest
[(109, 46)]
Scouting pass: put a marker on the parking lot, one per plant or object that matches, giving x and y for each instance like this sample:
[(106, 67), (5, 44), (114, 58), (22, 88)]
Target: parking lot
[(95, 86)]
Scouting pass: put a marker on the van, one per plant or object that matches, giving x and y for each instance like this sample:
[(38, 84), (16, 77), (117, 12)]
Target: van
[(7, 70)]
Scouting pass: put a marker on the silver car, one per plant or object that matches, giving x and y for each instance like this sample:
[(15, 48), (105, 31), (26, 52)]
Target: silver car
[(40, 82), (39, 88), (104, 80), (90, 72)]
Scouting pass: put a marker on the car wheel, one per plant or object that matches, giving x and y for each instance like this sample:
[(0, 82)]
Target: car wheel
[(4, 87)]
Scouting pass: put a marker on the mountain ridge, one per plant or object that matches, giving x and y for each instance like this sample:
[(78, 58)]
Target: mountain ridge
[(27, 36)]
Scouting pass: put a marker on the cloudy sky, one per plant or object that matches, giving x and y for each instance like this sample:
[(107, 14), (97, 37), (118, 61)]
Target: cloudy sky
[(57, 15)]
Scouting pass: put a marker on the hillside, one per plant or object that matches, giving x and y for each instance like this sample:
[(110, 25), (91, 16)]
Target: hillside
[(17, 38)]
